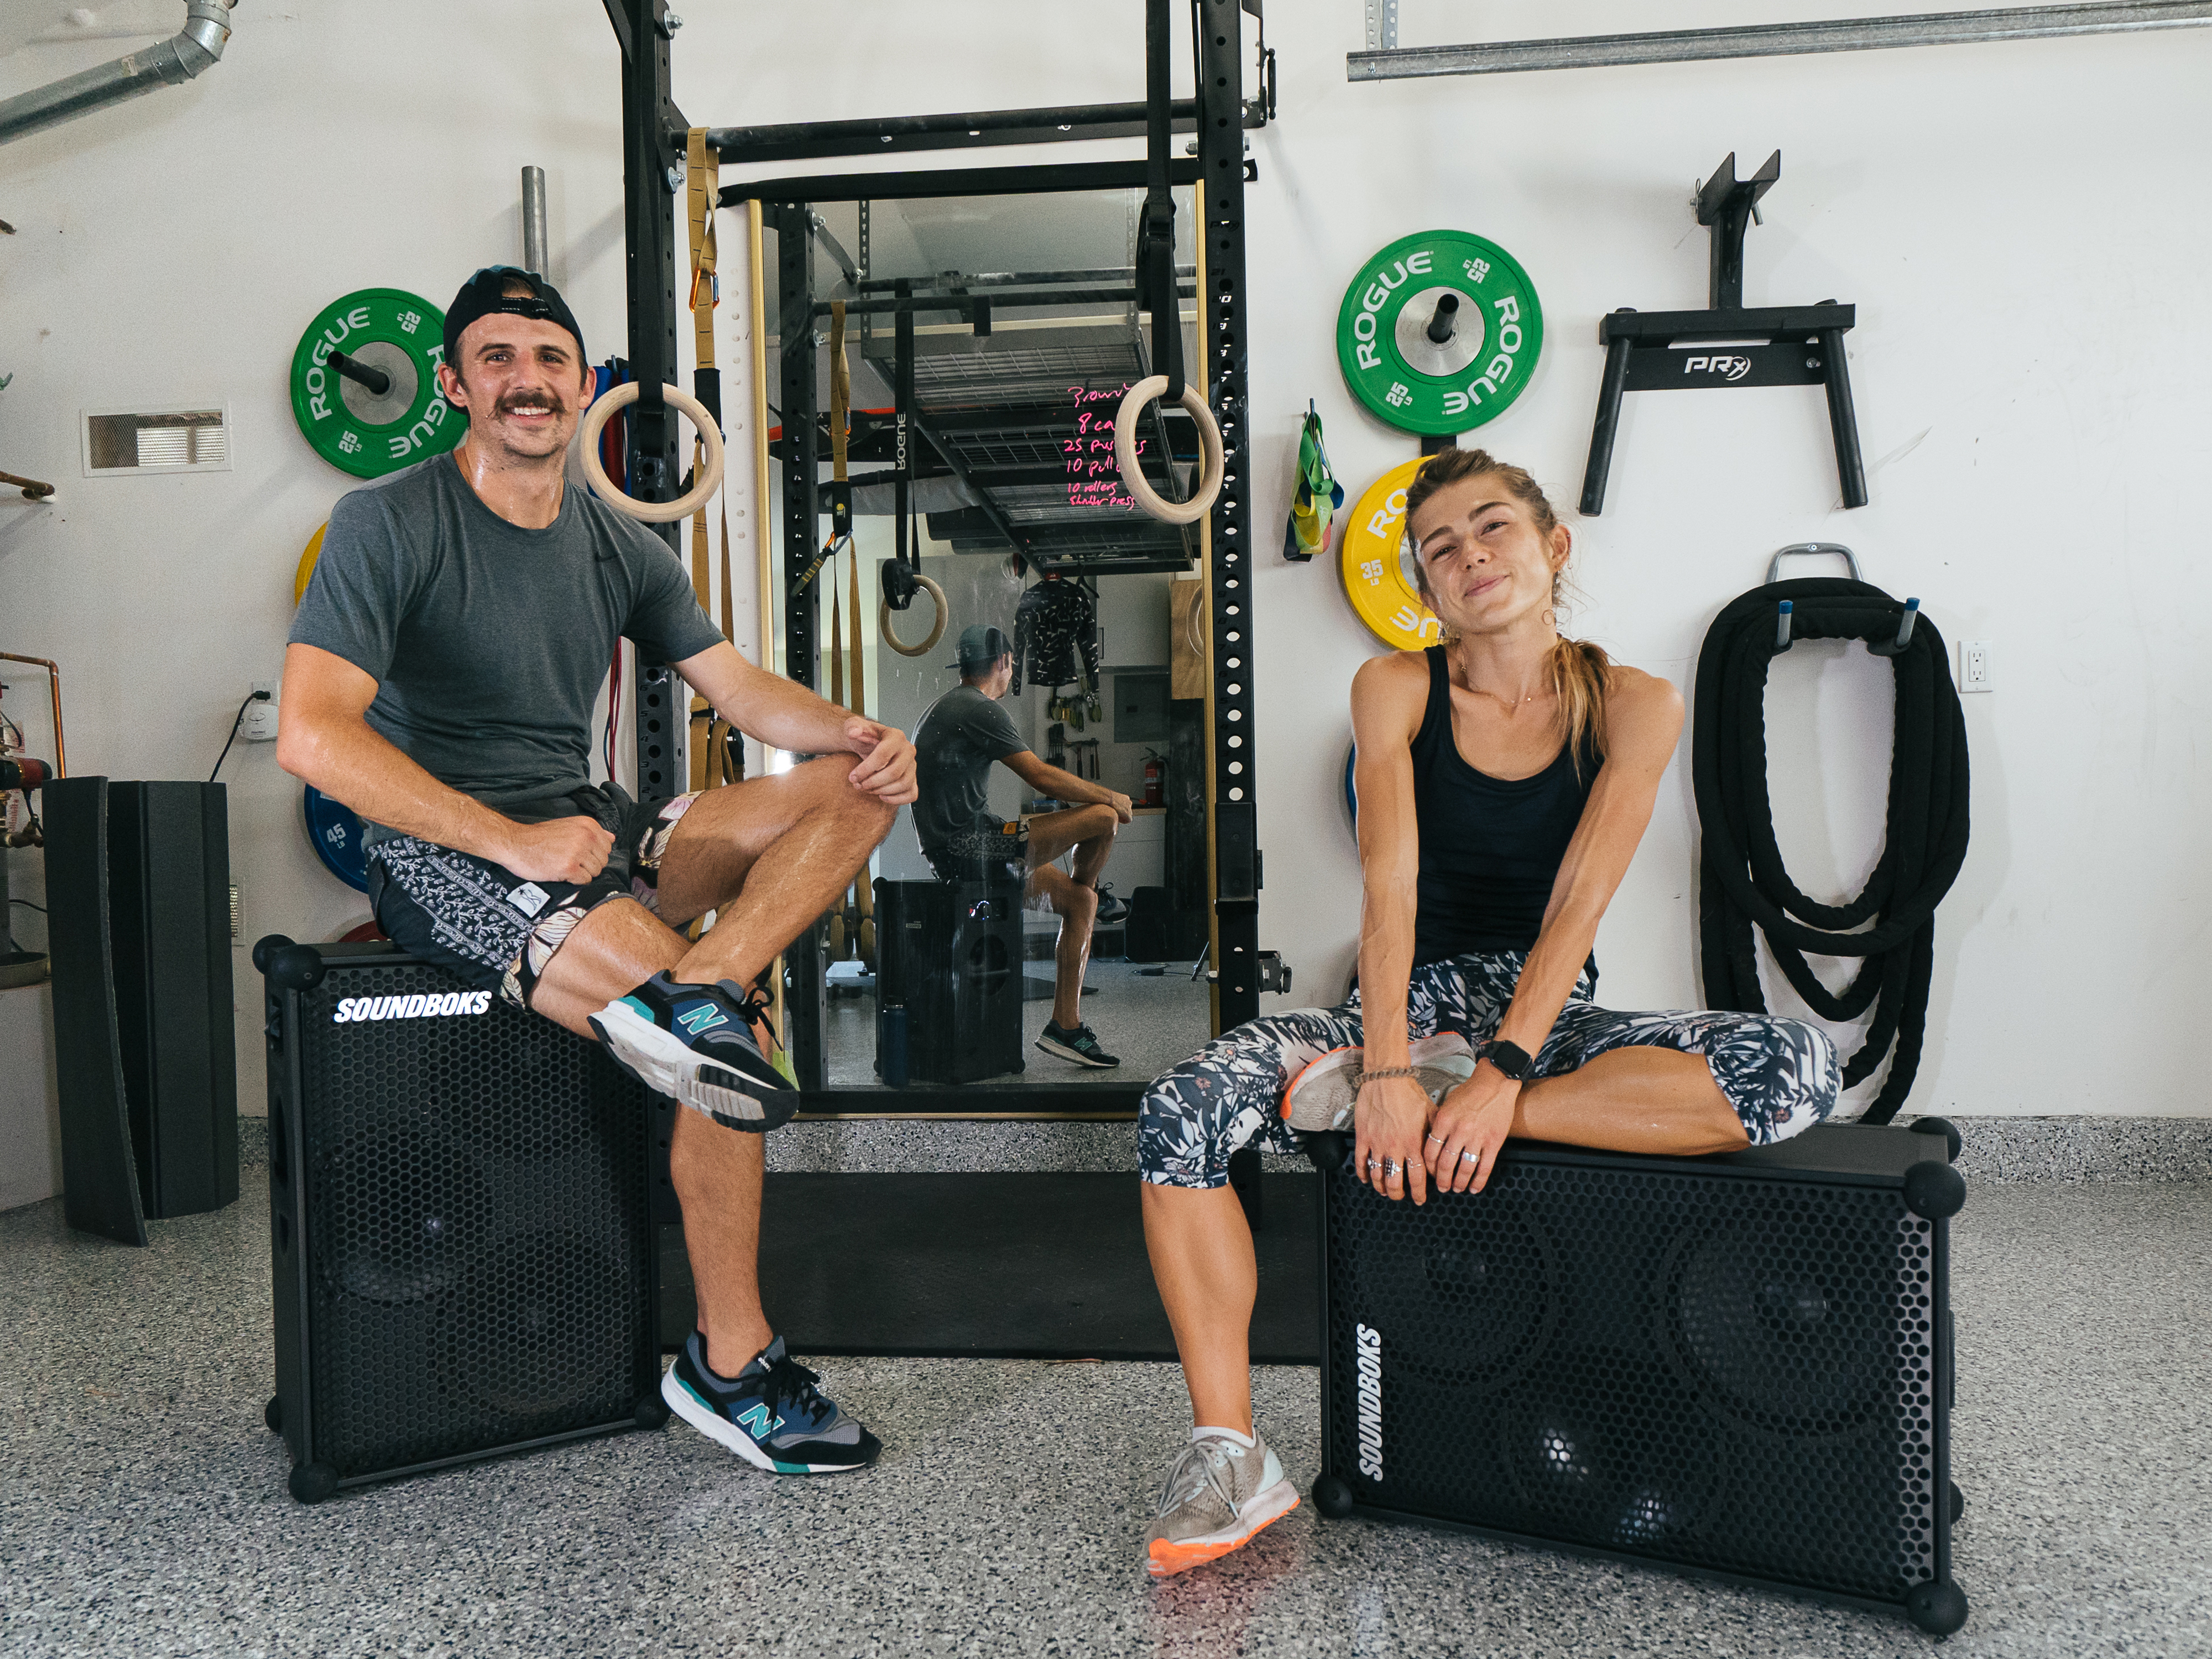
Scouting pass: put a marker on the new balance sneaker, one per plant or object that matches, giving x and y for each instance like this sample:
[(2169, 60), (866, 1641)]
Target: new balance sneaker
[(695, 1043), (1322, 1096), (1219, 1493), (1111, 909), (1079, 1045), (770, 1414)]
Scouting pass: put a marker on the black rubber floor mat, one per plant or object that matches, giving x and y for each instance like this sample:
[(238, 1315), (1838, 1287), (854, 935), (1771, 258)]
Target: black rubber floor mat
[(1010, 1267)]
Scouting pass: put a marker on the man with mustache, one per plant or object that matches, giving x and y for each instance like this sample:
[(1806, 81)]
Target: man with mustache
[(440, 681)]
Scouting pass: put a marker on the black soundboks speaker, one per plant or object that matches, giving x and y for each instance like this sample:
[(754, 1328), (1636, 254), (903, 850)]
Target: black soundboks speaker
[(138, 896), (1740, 1366), (461, 1205), (950, 953)]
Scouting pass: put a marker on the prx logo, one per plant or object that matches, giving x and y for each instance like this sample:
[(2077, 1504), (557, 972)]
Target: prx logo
[(1728, 369), (1367, 1349)]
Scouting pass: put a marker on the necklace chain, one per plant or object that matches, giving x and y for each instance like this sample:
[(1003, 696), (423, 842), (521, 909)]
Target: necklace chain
[(1507, 703)]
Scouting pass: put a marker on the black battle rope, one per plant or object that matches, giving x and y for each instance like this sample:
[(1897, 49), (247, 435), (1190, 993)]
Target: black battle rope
[(1925, 841)]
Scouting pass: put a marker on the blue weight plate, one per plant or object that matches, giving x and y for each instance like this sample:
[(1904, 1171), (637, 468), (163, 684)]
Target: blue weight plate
[(337, 833)]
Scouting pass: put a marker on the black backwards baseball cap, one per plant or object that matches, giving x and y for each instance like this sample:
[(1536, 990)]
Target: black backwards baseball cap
[(484, 295), (980, 647)]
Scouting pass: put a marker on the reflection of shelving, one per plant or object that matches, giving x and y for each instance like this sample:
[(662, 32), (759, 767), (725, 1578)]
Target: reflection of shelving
[(1000, 411)]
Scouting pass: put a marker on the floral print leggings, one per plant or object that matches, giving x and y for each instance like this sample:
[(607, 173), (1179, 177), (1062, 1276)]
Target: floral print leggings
[(1781, 1075)]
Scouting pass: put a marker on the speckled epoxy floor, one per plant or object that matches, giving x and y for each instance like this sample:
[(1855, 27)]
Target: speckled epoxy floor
[(142, 1508)]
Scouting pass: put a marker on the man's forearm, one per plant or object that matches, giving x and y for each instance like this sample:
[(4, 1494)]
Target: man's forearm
[(779, 711), (1051, 781), (351, 763)]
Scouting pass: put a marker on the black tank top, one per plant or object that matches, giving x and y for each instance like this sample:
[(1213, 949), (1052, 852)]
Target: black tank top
[(1491, 849)]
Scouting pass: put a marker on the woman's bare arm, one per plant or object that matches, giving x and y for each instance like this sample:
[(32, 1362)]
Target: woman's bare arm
[(1643, 722), (1388, 697)]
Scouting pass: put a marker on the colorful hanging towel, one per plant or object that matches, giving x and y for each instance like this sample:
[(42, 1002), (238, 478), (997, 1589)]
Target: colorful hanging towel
[(1307, 531)]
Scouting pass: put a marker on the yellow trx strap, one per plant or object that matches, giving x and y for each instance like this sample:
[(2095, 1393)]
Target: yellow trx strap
[(855, 918), (717, 754)]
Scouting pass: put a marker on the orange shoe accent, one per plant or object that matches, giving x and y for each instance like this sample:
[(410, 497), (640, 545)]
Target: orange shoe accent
[(1283, 1106), (1168, 1560)]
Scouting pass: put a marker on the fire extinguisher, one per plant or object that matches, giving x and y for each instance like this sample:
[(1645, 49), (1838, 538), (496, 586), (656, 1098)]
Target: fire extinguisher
[(1156, 779)]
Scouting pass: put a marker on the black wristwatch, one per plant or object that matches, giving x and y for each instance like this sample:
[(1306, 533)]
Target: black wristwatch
[(1510, 1058)]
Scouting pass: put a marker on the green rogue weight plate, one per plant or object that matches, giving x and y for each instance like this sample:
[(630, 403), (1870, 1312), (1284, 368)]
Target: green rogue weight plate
[(1409, 380), (367, 432)]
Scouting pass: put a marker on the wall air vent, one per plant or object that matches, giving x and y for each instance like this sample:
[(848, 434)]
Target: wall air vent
[(179, 438)]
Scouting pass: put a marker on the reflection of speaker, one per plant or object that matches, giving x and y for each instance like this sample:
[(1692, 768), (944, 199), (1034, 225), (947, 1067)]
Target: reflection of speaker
[(950, 953), (461, 1240), (1740, 1365)]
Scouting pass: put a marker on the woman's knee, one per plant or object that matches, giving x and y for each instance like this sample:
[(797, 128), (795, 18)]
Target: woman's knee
[(1802, 1078)]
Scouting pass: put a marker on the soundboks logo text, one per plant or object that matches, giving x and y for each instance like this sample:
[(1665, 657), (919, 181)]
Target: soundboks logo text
[(1368, 1348), (350, 1009)]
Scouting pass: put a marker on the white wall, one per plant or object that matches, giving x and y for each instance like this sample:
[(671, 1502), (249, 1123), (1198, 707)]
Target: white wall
[(2021, 226)]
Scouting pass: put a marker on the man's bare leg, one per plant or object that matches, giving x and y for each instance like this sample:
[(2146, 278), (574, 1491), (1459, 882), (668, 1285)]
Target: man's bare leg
[(1089, 830), (1638, 1100), (767, 856), (1078, 908), (729, 835)]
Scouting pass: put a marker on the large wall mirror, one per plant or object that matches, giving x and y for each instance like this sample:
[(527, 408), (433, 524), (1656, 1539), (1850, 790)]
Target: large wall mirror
[(986, 342)]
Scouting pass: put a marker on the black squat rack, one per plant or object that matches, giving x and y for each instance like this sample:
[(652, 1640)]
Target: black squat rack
[(655, 135)]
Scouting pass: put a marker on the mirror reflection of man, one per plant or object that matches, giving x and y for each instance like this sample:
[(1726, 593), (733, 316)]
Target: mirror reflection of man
[(964, 734)]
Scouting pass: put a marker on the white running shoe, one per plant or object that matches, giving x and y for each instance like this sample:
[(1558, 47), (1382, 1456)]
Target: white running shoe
[(1217, 1497), (1322, 1096)]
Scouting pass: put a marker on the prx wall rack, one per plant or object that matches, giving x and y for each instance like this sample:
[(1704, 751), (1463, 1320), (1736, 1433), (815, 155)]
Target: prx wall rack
[(1804, 344)]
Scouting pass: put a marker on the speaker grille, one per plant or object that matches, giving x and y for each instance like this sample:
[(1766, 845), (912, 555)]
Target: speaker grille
[(1717, 1370), (477, 1229)]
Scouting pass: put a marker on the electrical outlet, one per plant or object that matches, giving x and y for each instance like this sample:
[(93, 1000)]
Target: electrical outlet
[(260, 723), (1977, 669)]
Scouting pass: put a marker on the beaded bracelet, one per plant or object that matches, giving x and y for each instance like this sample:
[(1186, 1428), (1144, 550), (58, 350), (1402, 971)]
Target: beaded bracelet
[(1366, 1077)]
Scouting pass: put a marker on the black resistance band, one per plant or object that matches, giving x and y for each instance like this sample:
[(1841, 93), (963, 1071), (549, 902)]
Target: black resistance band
[(1744, 881)]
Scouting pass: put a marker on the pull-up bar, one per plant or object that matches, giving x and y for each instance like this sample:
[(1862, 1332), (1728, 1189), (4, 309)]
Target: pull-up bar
[(1392, 62)]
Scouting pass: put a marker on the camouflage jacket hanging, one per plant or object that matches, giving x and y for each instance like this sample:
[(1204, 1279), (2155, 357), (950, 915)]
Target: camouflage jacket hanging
[(1054, 626)]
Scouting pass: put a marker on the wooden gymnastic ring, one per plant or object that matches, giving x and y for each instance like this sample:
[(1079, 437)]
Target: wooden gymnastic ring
[(1210, 467), (702, 488), (936, 632)]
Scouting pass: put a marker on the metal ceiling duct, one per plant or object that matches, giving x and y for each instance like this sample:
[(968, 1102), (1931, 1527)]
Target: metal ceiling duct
[(197, 47)]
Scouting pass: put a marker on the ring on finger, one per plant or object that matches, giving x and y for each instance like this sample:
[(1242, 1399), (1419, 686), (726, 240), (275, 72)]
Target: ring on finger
[(1469, 1156)]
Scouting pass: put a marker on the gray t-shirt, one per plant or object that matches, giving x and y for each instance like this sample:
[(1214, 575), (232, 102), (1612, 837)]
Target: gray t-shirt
[(963, 733), (488, 642)]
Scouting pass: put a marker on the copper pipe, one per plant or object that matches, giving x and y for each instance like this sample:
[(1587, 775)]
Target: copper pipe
[(54, 683), (33, 491)]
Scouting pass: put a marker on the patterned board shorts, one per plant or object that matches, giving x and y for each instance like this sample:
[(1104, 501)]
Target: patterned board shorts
[(990, 850), (1781, 1075), (496, 931)]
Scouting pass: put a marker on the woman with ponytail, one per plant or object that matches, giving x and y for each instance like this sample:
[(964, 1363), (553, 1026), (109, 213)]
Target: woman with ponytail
[(1505, 778)]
